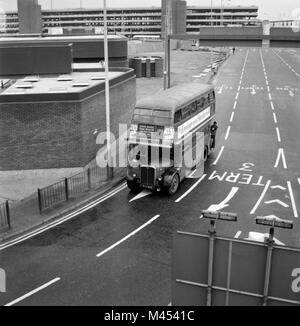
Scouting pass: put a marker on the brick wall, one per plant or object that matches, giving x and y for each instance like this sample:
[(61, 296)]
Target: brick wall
[(59, 135)]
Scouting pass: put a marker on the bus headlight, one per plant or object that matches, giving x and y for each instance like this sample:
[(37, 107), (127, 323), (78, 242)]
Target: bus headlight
[(169, 133)]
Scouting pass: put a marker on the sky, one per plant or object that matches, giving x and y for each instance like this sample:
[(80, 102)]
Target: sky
[(269, 9)]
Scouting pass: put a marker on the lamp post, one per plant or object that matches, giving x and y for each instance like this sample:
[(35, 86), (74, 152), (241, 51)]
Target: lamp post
[(107, 98)]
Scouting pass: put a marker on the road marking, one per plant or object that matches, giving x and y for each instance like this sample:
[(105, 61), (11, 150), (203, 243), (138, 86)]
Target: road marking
[(141, 195), (280, 156), (224, 203), (64, 219), (191, 189), (278, 187), (219, 156), (270, 97), (192, 174), (43, 287), (275, 118), (227, 133), (292, 199), (261, 237), (237, 96), (277, 201), (238, 234), (278, 135), (261, 197), (272, 106), (102, 253), (234, 105), (299, 181), (232, 116)]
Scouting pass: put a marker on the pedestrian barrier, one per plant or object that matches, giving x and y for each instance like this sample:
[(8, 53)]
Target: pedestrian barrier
[(5, 216), (70, 188)]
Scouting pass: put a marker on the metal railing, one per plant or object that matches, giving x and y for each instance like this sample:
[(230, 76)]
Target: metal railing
[(5, 216), (72, 187)]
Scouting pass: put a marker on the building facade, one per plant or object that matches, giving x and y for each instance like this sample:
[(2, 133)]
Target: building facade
[(137, 21), (29, 17)]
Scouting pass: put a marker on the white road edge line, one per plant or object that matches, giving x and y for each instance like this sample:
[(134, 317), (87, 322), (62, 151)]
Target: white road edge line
[(292, 199), (64, 219), (219, 156), (102, 253), (191, 189), (267, 186), (33, 292)]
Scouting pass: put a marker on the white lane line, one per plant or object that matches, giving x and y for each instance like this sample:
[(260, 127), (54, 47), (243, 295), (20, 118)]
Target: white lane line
[(234, 105), (238, 234), (299, 181), (272, 106), (43, 287), (267, 186), (292, 199), (227, 133), (232, 116), (270, 97), (102, 253), (278, 135), (191, 189), (64, 219), (275, 118), (282, 156), (237, 96), (219, 156), (192, 174)]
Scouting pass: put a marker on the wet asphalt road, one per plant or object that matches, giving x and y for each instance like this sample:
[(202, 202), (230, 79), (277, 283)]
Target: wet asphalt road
[(255, 166)]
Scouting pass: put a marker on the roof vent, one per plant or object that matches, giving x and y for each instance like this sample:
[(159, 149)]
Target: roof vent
[(31, 79), (25, 86), (98, 78), (64, 78), (79, 84), (58, 90)]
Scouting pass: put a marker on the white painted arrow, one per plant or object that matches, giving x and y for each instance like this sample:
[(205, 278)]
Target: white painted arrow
[(142, 194), (224, 203), (261, 237), (278, 202), (282, 157)]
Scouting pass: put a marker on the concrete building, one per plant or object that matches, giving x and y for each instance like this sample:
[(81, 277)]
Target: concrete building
[(36, 55), (138, 21), (30, 17), (53, 121)]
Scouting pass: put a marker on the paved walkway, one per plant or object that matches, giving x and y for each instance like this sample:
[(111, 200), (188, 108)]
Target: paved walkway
[(25, 215)]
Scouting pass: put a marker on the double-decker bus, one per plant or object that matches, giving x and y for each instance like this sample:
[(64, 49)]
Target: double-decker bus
[(159, 125)]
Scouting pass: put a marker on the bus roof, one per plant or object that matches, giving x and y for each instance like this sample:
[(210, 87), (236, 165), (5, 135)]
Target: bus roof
[(175, 97)]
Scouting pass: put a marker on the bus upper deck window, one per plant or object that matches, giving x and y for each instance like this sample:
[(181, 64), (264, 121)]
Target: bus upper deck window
[(177, 117), (201, 103)]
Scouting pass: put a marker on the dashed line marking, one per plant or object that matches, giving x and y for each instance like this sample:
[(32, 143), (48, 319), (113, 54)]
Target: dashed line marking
[(275, 117), (278, 134), (219, 156), (191, 189), (235, 104), (280, 156), (292, 199), (102, 253), (43, 287), (239, 233), (232, 116), (272, 106), (227, 133)]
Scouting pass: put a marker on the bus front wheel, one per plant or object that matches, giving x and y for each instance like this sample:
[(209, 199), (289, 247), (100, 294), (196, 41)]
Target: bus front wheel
[(174, 185), (133, 186)]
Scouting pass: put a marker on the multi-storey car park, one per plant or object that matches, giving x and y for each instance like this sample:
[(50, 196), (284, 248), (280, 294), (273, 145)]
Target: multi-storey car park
[(134, 21)]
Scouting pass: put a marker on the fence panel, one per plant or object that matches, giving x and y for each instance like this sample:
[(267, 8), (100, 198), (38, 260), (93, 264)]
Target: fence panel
[(52, 195), (78, 184), (4, 216)]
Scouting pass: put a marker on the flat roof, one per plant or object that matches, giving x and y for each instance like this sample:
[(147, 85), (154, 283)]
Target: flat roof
[(174, 97), (63, 38), (72, 87)]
